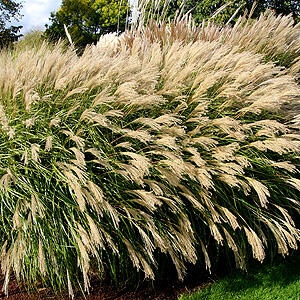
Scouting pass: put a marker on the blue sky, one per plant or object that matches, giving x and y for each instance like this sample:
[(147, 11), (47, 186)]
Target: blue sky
[(36, 13)]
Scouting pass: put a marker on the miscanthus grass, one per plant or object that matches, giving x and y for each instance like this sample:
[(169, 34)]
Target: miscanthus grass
[(274, 36), (140, 150)]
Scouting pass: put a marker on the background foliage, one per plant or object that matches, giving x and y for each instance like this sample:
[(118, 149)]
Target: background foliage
[(86, 20), (9, 10), (204, 9)]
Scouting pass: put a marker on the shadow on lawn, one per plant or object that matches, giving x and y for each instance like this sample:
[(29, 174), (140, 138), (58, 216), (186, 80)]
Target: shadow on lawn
[(279, 280), (280, 274)]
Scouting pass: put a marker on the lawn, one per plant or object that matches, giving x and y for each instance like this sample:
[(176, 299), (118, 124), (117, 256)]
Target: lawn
[(278, 281)]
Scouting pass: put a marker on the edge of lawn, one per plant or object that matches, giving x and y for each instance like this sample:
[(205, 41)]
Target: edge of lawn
[(277, 280)]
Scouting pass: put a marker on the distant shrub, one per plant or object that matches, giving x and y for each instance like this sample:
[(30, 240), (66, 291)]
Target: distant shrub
[(31, 40)]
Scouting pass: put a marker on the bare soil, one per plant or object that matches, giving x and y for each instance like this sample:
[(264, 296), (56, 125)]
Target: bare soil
[(162, 290)]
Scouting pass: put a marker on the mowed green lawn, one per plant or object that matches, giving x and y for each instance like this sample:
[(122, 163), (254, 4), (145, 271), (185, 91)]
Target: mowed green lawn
[(280, 281)]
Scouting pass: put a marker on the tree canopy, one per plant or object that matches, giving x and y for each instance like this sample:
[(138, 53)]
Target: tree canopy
[(203, 9), (86, 20), (9, 11)]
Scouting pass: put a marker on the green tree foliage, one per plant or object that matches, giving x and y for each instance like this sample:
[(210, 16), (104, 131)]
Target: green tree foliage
[(203, 9), (285, 7), (9, 10), (86, 20)]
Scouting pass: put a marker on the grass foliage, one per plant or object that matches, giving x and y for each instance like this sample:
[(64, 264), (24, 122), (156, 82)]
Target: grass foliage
[(140, 150)]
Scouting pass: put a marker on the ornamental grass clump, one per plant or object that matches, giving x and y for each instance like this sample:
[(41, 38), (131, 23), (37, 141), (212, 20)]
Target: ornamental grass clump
[(112, 160), (274, 36)]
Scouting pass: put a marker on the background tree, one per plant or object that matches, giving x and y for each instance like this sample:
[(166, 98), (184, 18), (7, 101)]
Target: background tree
[(203, 9), (9, 10), (86, 20)]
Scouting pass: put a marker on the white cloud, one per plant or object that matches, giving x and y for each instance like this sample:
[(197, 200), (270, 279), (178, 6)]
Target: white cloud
[(36, 13)]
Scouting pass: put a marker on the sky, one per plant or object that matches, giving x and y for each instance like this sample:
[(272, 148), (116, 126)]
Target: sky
[(36, 13)]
